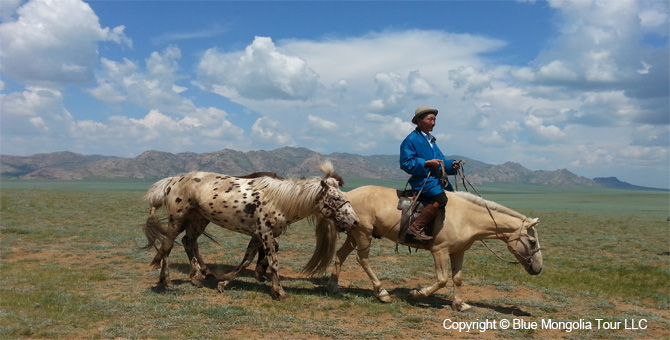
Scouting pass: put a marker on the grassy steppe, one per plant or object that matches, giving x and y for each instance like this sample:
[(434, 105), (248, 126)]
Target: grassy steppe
[(70, 268)]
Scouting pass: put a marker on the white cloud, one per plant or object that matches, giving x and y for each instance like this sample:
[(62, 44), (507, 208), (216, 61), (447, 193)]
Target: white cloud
[(471, 79), (153, 87), (320, 123), (260, 72), (494, 139), (270, 132), (67, 31), (541, 133)]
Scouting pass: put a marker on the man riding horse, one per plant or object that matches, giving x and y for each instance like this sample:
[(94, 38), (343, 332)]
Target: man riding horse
[(422, 159)]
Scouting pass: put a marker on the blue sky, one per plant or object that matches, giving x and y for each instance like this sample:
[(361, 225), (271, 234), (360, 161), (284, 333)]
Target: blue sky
[(582, 85)]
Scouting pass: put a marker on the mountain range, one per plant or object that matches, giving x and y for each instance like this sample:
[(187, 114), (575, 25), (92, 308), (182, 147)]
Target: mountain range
[(286, 161)]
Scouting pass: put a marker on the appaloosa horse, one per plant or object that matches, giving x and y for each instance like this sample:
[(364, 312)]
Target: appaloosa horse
[(468, 219), (259, 207)]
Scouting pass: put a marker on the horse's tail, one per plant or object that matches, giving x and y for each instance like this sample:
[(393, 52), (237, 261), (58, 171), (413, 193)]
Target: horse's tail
[(156, 194), (153, 228), (326, 240)]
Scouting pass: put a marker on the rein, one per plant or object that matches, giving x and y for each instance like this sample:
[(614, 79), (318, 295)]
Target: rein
[(464, 180)]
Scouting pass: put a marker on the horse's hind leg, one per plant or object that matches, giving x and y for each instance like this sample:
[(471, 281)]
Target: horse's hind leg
[(252, 248), (442, 271), (194, 228), (161, 258)]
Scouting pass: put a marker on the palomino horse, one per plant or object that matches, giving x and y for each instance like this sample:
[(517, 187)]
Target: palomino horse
[(468, 219), (259, 207)]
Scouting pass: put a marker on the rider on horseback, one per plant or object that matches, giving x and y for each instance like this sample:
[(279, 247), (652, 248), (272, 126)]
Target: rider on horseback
[(422, 159)]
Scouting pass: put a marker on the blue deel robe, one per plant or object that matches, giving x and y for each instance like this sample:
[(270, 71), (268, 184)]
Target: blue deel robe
[(415, 150)]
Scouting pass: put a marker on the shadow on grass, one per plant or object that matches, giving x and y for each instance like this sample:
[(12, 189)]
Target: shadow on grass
[(319, 289)]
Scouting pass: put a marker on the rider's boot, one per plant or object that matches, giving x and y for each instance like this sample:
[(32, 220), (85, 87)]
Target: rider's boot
[(426, 217)]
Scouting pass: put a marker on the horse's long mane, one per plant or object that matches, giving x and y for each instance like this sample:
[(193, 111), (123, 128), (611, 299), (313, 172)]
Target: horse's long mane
[(295, 197), (490, 204)]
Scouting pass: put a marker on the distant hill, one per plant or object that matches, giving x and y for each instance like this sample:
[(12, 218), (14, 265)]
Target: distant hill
[(615, 183), (286, 161)]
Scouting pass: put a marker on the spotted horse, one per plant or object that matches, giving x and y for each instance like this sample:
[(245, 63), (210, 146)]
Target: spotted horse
[(260, 207)]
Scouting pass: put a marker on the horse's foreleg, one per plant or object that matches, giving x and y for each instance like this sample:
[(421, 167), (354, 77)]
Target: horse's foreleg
[(249, 254), (341, 255), (363, 244), (442, 271), (273, 264), (262, 263), (456, 266)]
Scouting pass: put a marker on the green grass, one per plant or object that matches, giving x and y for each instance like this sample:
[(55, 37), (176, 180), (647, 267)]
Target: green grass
[(70, 268)]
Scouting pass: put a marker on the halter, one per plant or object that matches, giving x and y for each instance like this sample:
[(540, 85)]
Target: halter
[(335, 210)]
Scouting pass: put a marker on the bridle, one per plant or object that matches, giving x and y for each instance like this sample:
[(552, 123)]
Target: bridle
[(334, 210), (531, 252)]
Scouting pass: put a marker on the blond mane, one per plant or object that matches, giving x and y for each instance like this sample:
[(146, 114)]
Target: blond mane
[(490, 204), (296, 197)]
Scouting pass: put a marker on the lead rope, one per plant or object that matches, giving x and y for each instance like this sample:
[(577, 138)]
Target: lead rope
[(461, 174)]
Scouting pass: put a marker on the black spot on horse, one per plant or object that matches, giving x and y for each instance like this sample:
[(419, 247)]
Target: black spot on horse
[(178, 200), (250, 208), (167, 192), (197, 180)]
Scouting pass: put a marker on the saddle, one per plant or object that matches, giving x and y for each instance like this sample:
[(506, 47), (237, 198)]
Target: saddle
[(411, 209)]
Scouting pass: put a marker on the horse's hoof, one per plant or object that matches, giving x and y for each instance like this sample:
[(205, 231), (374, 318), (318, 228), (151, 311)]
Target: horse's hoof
[(333, 288), (416, 293), (222, 286), (261, 277), (461, 307), (279, 296), (384, 296)]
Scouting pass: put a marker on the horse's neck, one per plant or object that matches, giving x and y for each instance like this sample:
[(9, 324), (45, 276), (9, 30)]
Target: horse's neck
[(498, 225), (297, 198)]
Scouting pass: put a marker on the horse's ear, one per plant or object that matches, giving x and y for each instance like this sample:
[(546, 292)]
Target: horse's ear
[(324, 184), (534, 222)]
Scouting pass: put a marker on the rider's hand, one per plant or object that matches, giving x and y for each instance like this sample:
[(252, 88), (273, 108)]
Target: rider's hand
[(434, 163), (456, 165)]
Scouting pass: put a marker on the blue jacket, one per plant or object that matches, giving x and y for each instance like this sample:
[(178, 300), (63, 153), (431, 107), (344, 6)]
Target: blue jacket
[(415, 150)]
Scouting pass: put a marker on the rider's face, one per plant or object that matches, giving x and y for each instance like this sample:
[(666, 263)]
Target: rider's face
[(426, 123)]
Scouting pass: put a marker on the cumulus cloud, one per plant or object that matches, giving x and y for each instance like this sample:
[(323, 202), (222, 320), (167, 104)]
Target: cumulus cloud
[(67, 31), (37, 110), (270, 132), (151, 87), (393, 92), (471, 79), (260, 72), (541, 133)]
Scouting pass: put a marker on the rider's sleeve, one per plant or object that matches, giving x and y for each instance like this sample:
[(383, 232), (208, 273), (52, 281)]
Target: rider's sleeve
[(410, 162), (447, 162)]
